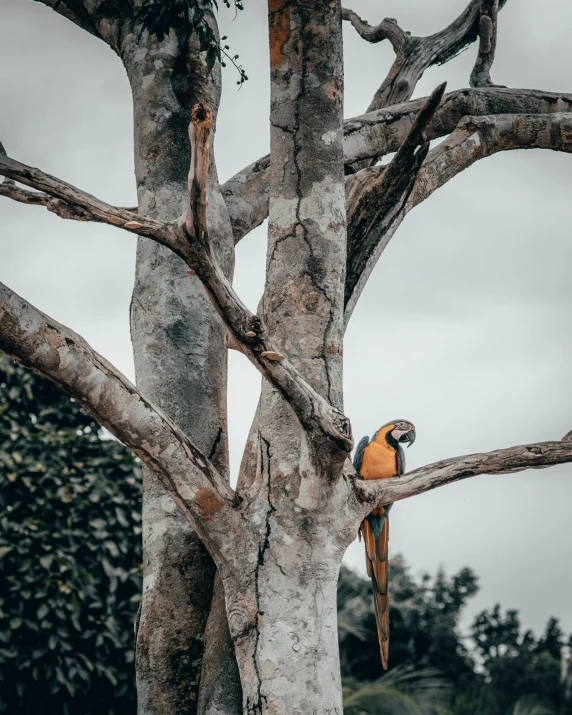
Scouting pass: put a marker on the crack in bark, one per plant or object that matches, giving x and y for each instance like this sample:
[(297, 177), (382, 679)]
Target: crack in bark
[(256, 708), (215, 444)]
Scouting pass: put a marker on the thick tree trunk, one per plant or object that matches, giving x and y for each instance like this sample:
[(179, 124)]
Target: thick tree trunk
[(286, 645), (180, 362), (289, 661)]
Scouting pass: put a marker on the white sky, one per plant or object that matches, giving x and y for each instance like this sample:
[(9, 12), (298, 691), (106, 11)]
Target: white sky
[(464, 328)]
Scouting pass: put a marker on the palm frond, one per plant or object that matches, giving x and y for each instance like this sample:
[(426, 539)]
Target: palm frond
[(402, 691), (531, 705)]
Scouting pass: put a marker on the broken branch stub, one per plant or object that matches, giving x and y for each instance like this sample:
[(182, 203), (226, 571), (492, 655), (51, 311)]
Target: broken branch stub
[(200, 129)]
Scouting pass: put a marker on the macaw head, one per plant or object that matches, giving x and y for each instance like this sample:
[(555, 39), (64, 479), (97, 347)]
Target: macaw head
[(403, 432)]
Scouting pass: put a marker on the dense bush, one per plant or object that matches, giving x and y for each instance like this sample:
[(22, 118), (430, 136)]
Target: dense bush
[(70, 555)]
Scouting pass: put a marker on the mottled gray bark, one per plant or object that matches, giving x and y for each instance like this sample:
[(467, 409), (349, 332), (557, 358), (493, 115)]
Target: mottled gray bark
[(373, 135), (287, 655)]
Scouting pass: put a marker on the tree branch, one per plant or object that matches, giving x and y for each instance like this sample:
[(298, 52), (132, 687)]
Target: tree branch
[(474, 139), (488, 25), (56, 352), (501, 461), (11, 190), (189, 239), (416, 54), (373, 135), (247, 331), (99, 18), (377, 196), (479, 137), (70, 202), (386, 30)]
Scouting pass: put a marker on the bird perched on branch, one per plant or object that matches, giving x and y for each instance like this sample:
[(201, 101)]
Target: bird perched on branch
[(381, 457)]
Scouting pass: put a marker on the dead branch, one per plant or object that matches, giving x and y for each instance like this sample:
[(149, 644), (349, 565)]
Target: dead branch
[(478, 137), (386, 30), (56, 352), (11, 190), (500, 461), (377, 197), (488, 25), (373, 135), (474, 139), (417, 54), (189, 239), (70, 202)]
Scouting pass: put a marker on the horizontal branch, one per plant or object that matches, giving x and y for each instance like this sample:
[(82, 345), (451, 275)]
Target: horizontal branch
[(77, 203), (501, 461), (373, 135), (11, 190), (480, 137), (56, 352), (378, 133)]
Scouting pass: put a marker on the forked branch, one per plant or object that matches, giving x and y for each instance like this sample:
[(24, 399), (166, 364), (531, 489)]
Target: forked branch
[(56, 352), (500, 461), (475, 138), (247, 331), (189, 239), (416, 54)]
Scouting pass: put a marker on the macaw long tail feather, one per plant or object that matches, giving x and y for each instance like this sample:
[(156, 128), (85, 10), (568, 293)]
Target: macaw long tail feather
[(376, 552)]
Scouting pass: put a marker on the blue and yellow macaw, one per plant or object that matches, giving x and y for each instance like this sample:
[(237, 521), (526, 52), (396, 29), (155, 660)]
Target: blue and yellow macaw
[(381, 457)]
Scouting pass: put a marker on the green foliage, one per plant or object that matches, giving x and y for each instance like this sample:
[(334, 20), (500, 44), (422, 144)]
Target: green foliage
[(517, 664), (499, 670), (190, 17), (70, 555), (531, 705)]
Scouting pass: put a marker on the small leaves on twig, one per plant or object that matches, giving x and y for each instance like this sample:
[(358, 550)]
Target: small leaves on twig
[(188, 17)]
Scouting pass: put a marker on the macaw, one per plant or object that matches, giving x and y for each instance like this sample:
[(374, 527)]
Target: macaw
[(381, 457)]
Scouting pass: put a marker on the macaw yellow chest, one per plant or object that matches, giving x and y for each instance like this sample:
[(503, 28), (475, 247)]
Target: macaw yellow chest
[(379, 461)]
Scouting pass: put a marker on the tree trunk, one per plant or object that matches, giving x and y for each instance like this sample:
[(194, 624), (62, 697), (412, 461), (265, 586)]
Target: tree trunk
[(181, 363), (289, 661)]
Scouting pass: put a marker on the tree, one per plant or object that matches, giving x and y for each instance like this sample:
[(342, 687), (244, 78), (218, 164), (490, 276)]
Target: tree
[(278, 539)]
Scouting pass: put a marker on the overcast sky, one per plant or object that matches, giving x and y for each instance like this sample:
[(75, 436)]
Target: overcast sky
[(464, 328)]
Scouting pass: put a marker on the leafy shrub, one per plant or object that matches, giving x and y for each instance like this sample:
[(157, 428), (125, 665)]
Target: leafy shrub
[(70, 555)]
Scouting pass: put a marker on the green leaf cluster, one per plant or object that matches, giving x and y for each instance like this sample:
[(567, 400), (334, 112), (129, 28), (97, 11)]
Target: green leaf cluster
[(70, 555)]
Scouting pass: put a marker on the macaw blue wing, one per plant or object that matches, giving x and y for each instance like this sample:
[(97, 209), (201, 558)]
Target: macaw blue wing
[(358, 456)]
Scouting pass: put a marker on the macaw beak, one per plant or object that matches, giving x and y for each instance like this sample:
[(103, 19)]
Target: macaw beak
[(408, 437)]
